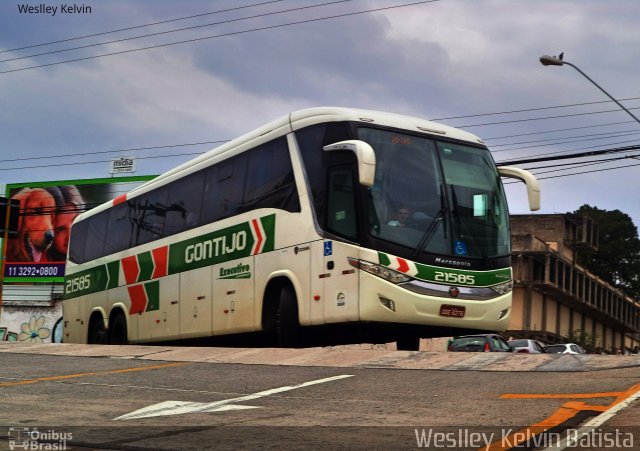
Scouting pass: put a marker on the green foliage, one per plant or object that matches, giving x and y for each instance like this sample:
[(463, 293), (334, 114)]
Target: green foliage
[(584, 339), (617, 259)]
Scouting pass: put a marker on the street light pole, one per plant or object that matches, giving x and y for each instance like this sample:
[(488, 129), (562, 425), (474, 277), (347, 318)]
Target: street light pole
[(547, 60)]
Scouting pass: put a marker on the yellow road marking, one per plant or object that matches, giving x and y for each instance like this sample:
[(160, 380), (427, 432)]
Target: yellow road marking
[(94, 373), (560, 395), (564, 413)]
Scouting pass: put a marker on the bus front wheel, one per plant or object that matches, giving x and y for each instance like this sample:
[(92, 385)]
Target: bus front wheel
[(408, 344), (287, 326)]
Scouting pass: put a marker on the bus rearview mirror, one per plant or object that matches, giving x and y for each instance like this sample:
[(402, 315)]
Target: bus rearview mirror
[(533, 187), (364, 154)]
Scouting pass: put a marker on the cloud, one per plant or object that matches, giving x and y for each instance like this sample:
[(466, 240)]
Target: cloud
[(441, 59)]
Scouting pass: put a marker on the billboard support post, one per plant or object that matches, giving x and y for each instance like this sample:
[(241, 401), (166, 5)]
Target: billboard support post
[(5, 237)]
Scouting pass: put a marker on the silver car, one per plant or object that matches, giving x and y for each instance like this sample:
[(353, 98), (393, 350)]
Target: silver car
[(527, 346)]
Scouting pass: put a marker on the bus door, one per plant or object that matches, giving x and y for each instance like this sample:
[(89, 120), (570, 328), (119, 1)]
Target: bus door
[(233, 298), (341, 279), (196, 298)]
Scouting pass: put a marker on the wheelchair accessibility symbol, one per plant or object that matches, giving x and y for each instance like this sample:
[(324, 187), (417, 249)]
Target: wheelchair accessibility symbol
[(461, 248), (328, 248)]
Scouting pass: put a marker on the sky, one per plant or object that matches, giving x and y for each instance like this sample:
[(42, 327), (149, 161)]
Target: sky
[(466, 63)]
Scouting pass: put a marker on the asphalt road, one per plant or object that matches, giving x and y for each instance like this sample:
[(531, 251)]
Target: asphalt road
[(125, 403)]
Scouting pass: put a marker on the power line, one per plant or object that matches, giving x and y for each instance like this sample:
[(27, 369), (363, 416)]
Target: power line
[(493, 146), (166, 146), (540, 118), (270, 27), (102, 161), (589, 172), (532, 109), (575, 165), (140, 26), (558, 130), (174, 31), (620, 134), (586, 148), (133, 149), (570, 156)]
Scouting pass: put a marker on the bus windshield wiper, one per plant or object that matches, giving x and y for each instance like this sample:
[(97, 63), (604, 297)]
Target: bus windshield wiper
[(431, 229), (428, 234)]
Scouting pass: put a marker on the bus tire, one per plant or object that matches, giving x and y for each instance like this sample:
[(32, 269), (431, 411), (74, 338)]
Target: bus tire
[(408, 344), (287, 326), (118, 330), (97, 331)]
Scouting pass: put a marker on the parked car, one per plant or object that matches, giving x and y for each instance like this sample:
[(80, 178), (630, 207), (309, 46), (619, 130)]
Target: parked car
[(479, 343), (527, 346), (565, 348)]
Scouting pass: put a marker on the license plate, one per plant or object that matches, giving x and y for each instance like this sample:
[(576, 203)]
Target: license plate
[(454, 311)]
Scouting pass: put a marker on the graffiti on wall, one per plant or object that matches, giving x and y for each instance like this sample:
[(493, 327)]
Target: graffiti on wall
[(5, 335), (29, 323), (32, 331)]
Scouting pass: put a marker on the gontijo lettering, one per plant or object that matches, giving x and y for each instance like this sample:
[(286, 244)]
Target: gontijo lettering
[(216, 247)]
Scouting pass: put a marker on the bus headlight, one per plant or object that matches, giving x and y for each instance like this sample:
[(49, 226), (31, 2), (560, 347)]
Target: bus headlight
[(503, 288), (378, 270)]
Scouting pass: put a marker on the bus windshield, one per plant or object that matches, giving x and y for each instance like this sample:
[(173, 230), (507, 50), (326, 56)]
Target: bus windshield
[(436, 197)]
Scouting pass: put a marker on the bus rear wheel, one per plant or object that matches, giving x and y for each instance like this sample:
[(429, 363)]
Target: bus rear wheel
[(118, 330), (287, 326), (97, 332)]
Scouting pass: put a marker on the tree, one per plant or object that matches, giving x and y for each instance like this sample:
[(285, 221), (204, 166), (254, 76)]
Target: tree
[(585, 340), (617, 259)]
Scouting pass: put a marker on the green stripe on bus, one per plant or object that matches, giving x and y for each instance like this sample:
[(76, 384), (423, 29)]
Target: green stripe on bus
[(269, 226), (384, 259), (220, 246), (153, 295), (86, 282), (459, 277), (145, 261), (452, 276), (113, 268)]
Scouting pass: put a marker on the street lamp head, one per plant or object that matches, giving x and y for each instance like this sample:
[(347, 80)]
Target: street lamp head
[(547, 60)]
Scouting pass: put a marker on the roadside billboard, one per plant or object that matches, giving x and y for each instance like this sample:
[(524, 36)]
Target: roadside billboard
[(47, 210)]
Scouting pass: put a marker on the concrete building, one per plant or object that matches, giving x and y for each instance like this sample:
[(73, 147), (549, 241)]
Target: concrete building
[(555, 299)]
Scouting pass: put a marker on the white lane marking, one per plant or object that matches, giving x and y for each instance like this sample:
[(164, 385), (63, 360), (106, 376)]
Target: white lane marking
[(181, 407), (592, 424)]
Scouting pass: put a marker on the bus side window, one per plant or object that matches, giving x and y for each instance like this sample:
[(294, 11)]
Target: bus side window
[(341, 208), (89, 238), (78, 243), (270, 182), (120, 229), (223, 189), (184, 203), (151, 213)]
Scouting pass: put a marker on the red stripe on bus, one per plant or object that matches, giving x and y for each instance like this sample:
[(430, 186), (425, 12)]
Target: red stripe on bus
[(403, 265), (160, 260), (258, 246), (131, 269), (138, 299), (120, 199)]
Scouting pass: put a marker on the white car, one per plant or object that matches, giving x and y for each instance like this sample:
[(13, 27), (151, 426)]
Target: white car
[(565, 348)]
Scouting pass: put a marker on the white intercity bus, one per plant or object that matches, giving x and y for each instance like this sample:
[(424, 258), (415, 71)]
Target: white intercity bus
[(356, 225)]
